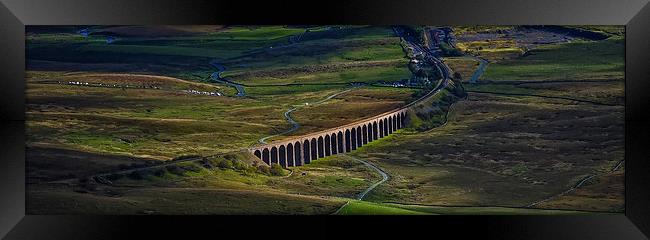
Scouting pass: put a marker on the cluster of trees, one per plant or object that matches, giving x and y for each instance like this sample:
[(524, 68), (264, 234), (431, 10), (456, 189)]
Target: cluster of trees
[(429, 72), (415, 32), (449, 51), (255, 168), (435, 114)]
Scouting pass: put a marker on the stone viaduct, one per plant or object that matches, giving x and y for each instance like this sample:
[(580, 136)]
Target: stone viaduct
[(301, 150)]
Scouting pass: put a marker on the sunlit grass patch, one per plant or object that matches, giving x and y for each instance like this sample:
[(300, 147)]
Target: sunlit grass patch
[(575, 60), (258, 32), (368, 208)]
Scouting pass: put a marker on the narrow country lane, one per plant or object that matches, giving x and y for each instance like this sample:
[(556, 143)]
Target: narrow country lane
[(295, 125), (362, 195), (217, 77), (384, 176)]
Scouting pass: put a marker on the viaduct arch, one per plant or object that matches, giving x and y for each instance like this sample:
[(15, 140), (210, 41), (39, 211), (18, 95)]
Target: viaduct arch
[(344, 138), (304, 149)]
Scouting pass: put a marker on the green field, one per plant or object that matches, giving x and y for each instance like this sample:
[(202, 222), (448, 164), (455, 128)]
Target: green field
[(571, 61), (174, 201), (165, 123), (126, 127), (136, 115), (238, 48), (369, 208), (373, 74)]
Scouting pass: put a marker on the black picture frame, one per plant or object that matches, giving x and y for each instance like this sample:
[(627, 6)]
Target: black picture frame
[(634, 14)]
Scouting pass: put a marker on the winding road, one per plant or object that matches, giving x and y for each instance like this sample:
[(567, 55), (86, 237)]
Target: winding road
[(444, 70), (295, 125), (384, 176), (217, 77), (429, 56)]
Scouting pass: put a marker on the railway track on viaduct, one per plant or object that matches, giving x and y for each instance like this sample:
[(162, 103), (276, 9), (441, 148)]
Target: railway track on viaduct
[(300, 150)]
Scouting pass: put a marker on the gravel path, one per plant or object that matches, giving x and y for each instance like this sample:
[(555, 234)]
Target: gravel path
[(384, 176), (295, 125), (217, 77)]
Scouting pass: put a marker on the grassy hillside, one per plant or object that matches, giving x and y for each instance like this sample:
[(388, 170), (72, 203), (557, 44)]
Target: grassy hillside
[(572, 61), (496, 148), (128, 120), (135, 87)]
